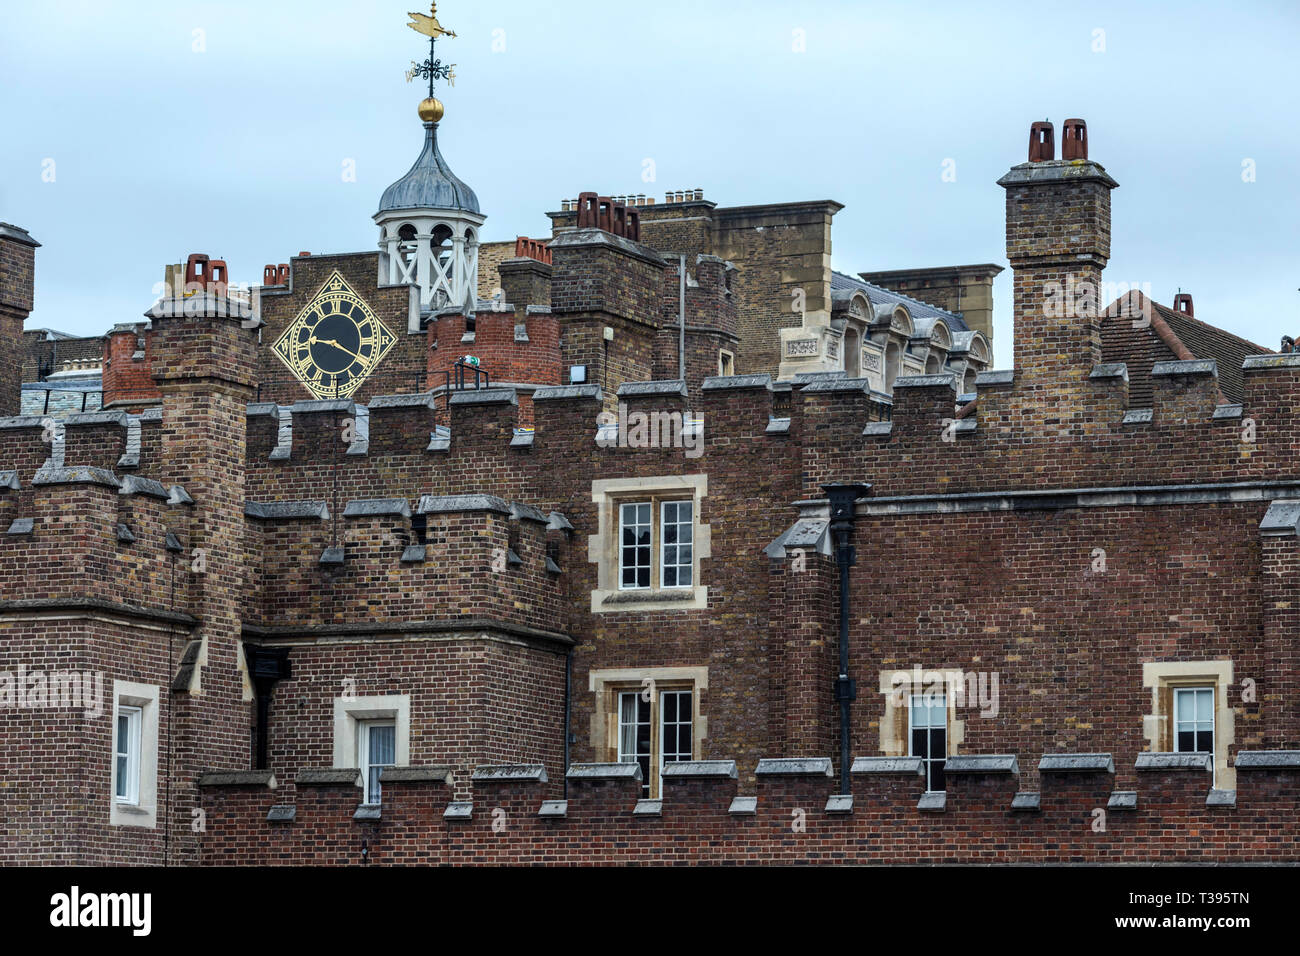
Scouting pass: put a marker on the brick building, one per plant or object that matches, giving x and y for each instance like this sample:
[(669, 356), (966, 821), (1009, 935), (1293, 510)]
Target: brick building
[(610, 556)]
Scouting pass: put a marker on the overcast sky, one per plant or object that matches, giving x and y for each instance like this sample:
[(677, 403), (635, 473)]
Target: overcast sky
[(134, 134)]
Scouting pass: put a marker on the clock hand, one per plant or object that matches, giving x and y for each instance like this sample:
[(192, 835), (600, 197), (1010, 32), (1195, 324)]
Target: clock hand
[(313, 340)]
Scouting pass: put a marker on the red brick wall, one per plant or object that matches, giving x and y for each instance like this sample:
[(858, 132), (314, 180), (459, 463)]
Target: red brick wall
[(1171, 824)]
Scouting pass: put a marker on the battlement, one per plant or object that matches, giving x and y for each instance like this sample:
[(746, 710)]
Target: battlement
[(384, 562), (795, 814)]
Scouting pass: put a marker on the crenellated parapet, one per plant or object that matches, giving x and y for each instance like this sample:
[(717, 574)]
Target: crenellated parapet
[(794, 814)]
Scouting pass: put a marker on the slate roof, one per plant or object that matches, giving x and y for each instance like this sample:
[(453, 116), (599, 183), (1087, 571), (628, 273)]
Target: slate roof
[(430, 183), (879, 295), (1172, 336)]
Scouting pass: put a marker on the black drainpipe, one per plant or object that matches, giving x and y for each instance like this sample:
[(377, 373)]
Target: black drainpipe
[(568, 713), (842, 499)]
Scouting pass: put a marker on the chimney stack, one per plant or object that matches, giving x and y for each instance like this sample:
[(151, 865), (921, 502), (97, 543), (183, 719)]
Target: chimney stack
[(17, 285), (1058, 241)]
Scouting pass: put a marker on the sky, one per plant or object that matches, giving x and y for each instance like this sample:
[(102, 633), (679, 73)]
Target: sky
[(137, 133)]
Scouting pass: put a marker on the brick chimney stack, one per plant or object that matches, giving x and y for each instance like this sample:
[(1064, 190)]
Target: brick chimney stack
[(17, 280), (1058, 241), (204, 361)]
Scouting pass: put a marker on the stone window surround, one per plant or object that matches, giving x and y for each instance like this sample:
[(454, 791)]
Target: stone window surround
[(1162, 677), (145, 812), (350, 712), (894, 721), (602, 547), (608, 683)]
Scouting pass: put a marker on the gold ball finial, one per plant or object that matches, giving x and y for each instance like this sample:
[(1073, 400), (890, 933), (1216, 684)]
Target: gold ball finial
[(430, 109)]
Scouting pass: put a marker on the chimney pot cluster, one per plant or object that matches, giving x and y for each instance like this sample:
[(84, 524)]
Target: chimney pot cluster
[(603, 212), (204, 274), (526, 248), (275, 275), (1042, 141)]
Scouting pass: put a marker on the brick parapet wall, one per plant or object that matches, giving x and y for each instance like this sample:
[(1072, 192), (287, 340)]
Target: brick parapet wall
[(789, 822)]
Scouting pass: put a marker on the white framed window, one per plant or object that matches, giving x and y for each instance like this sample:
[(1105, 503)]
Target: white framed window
[(650, 543), (133, 754), (927, 717), (673, 542), (1194, 720), (676, 540), (655, 729), (377, 749), (126, 751), (635, 525), (726, 363), (371, 733)]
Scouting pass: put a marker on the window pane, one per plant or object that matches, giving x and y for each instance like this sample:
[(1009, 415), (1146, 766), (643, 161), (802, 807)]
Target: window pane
[(675, 552), (383, 742), (1185, 708), (1205, 705), (634, 553)]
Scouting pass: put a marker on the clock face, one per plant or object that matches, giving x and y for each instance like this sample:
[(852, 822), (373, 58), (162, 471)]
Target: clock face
[(335, 342)]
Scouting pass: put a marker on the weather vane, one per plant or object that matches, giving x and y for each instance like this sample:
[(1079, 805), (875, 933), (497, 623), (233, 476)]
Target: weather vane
[(432, 68)]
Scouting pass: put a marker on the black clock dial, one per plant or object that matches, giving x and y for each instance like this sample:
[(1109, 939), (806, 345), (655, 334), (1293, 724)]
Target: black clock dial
[(335, 342)]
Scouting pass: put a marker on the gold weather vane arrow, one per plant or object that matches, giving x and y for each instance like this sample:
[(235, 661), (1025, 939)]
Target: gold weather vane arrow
[(431, 69), (428, 25)]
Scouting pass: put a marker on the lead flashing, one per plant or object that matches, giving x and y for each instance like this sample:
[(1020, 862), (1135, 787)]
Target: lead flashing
[(700, 769), (982, 763), (1076, 763), (604, 771), (1027, 801), (286, 510), (1109, 370), (445, 504), (1281, 518), (795, 767), (743, 806), (666, 387), (648, 808), (1122, 800), (910, 766), (550, 393), (719, 382), (377, 507), (1267, 760), (1174, 761), (1004, 376), (485, 396), (1197, 367)]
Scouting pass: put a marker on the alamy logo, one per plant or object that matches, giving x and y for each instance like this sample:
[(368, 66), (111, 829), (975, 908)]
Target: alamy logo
[(26, 689), (75, 909), (650, 430)]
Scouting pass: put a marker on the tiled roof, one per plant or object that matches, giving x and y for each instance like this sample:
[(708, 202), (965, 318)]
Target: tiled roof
[(879, 295), (1172, 335), (1207, 341)]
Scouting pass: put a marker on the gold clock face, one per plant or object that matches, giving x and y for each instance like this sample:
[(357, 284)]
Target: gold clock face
[(335, 342)]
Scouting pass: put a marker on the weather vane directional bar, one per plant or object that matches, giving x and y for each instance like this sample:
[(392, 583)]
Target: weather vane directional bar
[(432, 68)]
